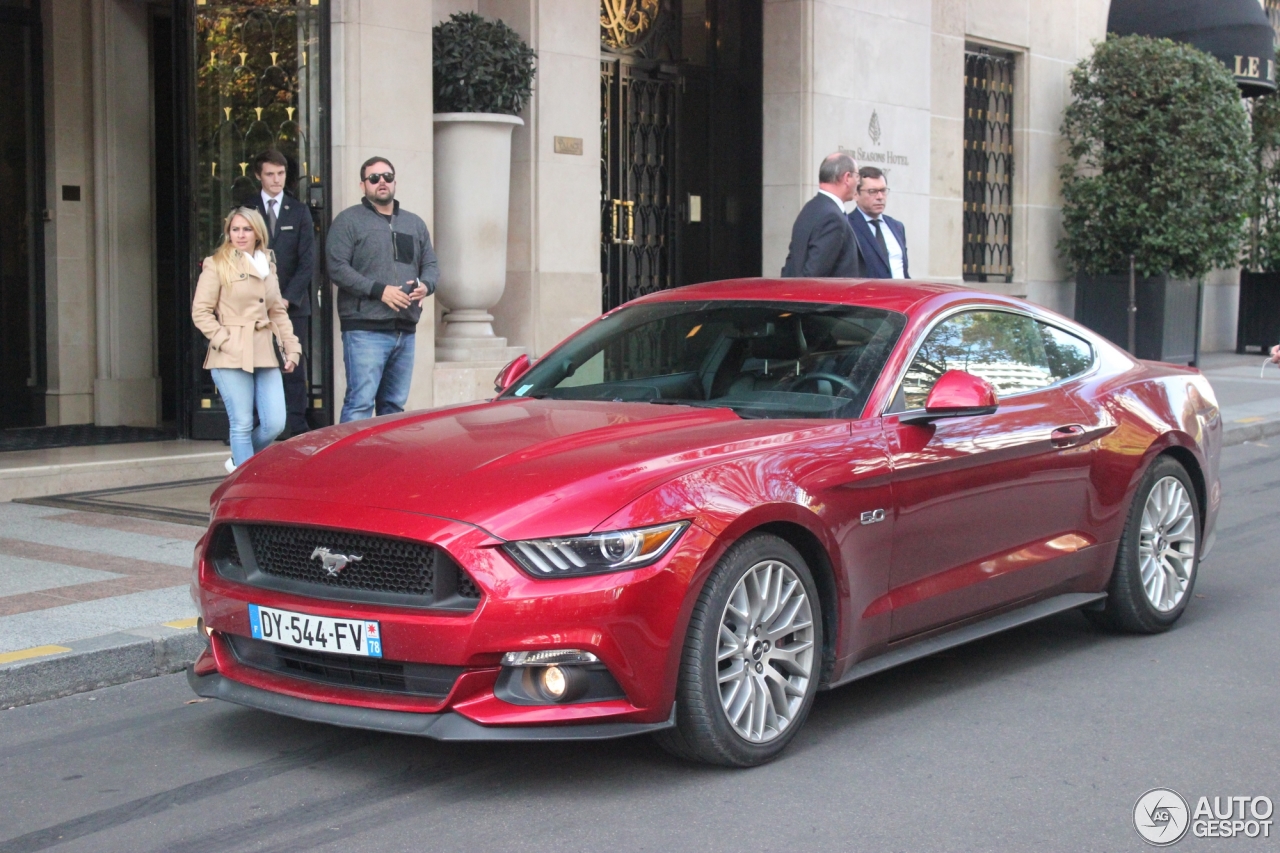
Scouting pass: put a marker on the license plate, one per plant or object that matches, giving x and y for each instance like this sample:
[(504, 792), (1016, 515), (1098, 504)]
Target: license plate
[(316, 633)]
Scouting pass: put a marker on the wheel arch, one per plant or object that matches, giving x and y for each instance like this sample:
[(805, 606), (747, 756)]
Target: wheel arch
[(1191, 465), (819, 561)]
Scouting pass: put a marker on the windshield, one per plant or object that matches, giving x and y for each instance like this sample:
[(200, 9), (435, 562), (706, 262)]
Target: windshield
[(761, 359)]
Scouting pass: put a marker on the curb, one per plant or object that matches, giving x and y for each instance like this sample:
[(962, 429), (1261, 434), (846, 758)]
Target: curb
[(99, 662), (1240, 433)]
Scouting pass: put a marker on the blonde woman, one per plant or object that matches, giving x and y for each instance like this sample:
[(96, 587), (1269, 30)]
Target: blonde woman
[(238, 308)]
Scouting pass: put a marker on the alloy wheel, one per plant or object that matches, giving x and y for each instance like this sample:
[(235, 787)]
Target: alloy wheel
[(764, 657), (1167, 544)]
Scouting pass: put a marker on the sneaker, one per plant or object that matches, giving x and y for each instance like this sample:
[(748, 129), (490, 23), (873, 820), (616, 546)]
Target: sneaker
[(230, 466)]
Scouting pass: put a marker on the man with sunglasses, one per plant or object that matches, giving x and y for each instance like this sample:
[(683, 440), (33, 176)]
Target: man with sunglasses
[(381, 259)]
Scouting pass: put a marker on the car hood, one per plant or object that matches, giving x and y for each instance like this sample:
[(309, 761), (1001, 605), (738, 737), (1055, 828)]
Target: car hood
[(515, 468)]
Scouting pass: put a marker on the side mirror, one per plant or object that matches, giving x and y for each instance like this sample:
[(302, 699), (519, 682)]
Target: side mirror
[(957, 394), (514, 369)]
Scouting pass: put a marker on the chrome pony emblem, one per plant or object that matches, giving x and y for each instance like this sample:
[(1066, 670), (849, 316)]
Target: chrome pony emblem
[(334, 563)]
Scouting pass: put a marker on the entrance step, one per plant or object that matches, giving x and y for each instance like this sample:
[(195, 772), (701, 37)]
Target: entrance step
[(58, 471)]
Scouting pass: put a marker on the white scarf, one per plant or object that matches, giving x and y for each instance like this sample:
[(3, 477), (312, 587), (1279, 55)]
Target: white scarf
[(258, 260)]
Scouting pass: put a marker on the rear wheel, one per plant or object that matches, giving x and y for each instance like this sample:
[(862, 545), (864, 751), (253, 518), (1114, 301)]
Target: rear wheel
[(751, 658), (1159, 552)]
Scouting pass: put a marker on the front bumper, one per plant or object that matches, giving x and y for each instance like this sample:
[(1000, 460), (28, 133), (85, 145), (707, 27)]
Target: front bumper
[(633, 622), (444, 726)]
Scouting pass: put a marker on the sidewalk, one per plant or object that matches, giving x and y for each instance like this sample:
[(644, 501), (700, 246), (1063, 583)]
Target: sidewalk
[(1248, 395), (91, 598)]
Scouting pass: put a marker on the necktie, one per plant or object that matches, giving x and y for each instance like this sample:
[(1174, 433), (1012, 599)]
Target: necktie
[(271, 217), (884, 247)]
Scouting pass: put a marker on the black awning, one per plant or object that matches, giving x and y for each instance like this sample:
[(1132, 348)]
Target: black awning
[(1235, 31)]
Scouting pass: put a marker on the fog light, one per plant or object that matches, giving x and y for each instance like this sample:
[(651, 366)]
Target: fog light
[(554, 682), (561, 683)]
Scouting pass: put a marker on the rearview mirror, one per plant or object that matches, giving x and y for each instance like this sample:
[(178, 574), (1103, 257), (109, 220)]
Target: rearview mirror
[(514, 369), (957, 394)]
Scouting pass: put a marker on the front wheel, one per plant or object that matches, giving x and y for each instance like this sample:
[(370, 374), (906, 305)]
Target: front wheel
[(1159, 553), (751, 659)]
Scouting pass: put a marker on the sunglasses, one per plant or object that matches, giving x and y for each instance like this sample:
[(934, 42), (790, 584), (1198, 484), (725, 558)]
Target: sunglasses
[(379, 177)]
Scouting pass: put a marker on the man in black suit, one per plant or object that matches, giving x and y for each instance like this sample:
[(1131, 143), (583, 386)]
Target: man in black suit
[(822, 241), (293, 242), (882, 239)]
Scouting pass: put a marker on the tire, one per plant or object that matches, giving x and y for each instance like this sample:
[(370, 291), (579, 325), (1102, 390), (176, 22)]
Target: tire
[(1165, 511), (745, 691)]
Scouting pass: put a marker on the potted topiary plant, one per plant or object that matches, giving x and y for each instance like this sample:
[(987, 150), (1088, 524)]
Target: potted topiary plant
[(483, 75), (1258, 321), (1157, 171)]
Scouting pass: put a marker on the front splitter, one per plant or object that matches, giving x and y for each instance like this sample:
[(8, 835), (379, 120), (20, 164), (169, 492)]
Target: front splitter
[(449, 726)]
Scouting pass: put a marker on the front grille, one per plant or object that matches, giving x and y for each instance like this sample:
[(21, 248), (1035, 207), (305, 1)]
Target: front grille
[(377, 563), (341, 566), (411, 679)]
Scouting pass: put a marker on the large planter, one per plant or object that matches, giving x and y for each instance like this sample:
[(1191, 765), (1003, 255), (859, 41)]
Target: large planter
[(1168, 320), (472, 186), (1258, 321)]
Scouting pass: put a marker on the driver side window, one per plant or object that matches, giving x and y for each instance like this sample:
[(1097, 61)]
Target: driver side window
[(1005, 349)]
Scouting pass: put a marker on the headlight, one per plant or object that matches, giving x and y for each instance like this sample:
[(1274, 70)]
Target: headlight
[(596, 553)]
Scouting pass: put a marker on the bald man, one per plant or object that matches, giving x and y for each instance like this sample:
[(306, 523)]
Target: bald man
[(823, 244)]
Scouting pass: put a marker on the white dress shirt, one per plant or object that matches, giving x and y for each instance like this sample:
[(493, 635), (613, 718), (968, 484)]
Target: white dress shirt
[(890, 242), (267, 199)]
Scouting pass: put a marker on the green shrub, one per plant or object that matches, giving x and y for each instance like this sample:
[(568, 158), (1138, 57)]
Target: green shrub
[(1263, 250), (1158, 161), (480, 66)]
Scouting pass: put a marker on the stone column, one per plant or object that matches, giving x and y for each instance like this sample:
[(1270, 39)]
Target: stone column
[(381, 96), (127, 390), (69, 295), (851, 79)]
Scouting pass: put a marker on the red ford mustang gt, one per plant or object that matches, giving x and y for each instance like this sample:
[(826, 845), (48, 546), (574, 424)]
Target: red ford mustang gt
[(701, 509)]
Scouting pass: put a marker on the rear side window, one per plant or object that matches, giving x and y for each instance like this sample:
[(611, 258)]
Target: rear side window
[(1067, 354)]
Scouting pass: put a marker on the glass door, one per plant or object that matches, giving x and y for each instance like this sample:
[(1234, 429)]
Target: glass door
[(260, 74)]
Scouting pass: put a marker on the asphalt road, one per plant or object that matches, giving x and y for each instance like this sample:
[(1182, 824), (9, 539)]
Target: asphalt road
[(1040, 739)]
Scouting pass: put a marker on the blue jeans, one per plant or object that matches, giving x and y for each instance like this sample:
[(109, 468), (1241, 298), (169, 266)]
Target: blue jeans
[(379, 366), (241, 391)]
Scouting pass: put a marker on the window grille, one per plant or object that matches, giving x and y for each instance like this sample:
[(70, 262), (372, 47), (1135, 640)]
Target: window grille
[(988, 166)]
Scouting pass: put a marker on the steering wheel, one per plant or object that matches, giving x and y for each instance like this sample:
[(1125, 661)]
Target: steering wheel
[(830, 377)]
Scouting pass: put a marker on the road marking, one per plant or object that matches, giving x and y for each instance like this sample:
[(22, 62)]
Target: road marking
[(1252, 420), (36, 652), (182, 623)]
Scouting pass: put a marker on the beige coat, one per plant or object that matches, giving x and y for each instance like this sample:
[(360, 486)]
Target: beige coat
[(240, 317)]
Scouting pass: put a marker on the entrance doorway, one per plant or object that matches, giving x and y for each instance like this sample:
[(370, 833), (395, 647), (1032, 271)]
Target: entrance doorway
[(22, 333), (681, 125), (258, 78)]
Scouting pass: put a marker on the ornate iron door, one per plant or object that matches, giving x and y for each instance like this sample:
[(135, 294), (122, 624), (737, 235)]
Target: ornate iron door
[(261, 80), (637, 217), (988, 167)]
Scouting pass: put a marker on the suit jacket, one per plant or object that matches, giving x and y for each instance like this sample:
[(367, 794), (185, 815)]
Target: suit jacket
[(877, 262), (294, 245), (822, 243)]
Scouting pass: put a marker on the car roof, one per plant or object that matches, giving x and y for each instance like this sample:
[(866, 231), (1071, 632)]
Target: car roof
[(887, 294)]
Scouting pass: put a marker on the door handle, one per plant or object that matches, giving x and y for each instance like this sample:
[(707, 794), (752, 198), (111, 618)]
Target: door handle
[(1067, 436)]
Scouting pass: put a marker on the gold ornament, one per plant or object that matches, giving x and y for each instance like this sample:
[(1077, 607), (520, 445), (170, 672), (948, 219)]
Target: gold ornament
[(625, 22)]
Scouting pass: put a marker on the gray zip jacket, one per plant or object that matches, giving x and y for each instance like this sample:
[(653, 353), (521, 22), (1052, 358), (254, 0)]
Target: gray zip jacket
[(367, 254)]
